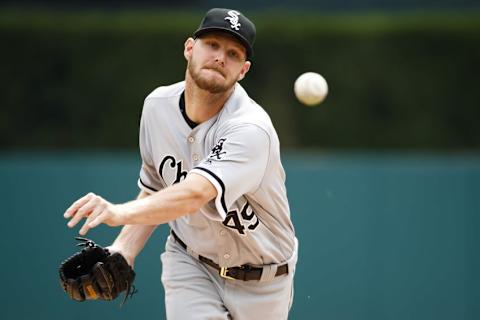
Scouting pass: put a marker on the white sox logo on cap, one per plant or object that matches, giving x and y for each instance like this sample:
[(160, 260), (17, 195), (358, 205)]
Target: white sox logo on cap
[(228, 20), (233, 18)]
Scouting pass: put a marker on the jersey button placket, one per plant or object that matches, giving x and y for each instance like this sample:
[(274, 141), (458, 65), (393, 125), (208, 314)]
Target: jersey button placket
[(193, 147), (224, 249)]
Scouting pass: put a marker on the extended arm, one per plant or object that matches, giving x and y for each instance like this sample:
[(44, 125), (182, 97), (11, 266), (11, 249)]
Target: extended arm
[(168, 204)]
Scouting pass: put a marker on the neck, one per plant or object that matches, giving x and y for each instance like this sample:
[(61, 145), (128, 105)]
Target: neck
[(201, 105)]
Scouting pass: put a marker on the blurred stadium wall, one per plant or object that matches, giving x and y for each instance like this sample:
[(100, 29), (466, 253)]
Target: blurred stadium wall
[(398, 80)]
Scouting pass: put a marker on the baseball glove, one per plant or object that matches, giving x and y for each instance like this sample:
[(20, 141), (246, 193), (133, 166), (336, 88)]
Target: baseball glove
[(94, 273)]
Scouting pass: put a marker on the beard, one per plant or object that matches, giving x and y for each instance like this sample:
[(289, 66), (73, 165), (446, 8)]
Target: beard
[(211, 85)]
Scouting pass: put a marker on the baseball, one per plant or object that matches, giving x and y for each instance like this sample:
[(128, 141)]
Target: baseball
[(310, 88)]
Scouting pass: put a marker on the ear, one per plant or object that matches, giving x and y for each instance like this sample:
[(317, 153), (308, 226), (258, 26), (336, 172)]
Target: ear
[(188, 47), (245, 68)]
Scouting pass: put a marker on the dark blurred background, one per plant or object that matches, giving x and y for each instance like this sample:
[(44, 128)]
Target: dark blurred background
[(383, 177), (402, 74)]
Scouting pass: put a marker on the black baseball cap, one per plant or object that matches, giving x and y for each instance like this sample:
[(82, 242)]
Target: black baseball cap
[(232, 22)]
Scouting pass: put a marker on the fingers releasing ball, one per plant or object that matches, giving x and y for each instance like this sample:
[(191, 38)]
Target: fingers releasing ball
[(310, 88)]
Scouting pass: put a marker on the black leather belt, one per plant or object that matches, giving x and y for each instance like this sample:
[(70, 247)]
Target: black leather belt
[(245, 272)]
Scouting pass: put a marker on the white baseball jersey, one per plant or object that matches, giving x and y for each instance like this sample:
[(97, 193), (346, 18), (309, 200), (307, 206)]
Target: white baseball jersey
[(238, 152)]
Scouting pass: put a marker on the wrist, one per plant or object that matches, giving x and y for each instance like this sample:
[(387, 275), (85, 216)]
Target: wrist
[(123, 215), (124, 252)]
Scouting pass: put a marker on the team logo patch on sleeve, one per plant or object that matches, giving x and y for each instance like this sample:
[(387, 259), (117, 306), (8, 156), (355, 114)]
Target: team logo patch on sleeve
[(217, 153)]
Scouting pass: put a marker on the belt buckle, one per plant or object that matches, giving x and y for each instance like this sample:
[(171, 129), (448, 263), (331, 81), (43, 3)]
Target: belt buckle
[(223, 273)]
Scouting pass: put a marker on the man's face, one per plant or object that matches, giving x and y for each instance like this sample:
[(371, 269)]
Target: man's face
[(216, 61)]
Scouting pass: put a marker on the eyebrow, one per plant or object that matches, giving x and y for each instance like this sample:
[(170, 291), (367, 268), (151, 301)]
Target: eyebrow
[(235, 42)]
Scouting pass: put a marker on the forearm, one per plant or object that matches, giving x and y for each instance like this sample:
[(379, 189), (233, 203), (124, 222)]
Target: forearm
[(168, 204), (132, 239)]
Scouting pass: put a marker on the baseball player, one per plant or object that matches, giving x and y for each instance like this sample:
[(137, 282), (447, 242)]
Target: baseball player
[(210, 169)]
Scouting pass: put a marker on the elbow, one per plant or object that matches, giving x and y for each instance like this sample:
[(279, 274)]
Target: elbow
[(199, 191)]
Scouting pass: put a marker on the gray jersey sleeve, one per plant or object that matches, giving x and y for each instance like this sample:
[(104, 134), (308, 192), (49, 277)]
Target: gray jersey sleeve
[(236, 165), (148, 180)]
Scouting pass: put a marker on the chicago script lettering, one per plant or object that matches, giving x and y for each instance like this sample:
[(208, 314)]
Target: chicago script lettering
[(179, 174)]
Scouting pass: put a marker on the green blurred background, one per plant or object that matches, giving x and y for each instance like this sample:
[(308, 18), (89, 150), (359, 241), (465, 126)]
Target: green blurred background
[(383, 177)]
